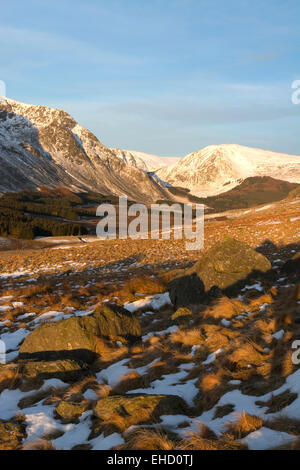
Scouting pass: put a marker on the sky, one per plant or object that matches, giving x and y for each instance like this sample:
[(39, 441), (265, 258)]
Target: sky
[(166, 77)]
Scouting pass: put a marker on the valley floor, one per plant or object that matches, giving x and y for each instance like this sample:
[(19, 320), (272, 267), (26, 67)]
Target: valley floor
[(230, 363)]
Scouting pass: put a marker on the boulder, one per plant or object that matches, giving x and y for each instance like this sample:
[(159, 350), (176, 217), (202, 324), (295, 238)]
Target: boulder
[(226, 266), (11, 435), (76, 338), (135, 409), (116, 322), (67, 370), (186, 290), (9, 376), (69, 412)]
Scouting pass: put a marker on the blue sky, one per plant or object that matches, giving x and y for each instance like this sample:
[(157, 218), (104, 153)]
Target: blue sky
[(160, 76)]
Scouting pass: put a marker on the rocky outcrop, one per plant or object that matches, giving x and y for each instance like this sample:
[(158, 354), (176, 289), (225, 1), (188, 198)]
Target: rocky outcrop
[(67, 370), (45, 146), (11, 435), (226, 266), (69, 412), (137, 409), (76, 338)]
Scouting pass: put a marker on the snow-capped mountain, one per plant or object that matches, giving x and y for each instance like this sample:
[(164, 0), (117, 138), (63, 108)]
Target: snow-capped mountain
[(144, 161), (219, 168), (45, 146)]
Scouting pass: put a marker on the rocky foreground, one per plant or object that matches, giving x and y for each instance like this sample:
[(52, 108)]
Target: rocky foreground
[(196, 357)]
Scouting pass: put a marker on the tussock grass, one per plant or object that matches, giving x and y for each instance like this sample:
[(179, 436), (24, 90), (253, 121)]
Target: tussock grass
[(247, 352), (284, 424), (130, 381), (244, 425), (211, 381), (191, 337), (278, 402), (147, 439), (205, 439), (224, 308)]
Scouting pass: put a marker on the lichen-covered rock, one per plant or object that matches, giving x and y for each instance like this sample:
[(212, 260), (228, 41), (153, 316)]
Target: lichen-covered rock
[(9, 376), (116, 322), (76, 338), (226, 266), (69, 412), (68, 339), (185, 290), (137, 409), (67, 371), (11, 435)]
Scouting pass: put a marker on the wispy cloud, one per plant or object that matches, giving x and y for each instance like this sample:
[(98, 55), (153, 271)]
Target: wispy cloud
[(33, 44)]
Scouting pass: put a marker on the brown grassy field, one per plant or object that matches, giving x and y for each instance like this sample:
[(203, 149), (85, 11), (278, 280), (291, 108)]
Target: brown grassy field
[(250, 364)]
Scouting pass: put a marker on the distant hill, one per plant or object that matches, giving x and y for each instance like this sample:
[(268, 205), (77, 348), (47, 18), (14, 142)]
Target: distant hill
[(295, 193), (219, 168), (252, 192)]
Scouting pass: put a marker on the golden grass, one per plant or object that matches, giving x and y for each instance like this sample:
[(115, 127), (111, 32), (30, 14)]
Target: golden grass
[(191, 337), (247, 352), (205, 439), (243, 341), (210, 381), (255, 304), (109, 352), (82, 385), (130, 381), (160, 368), (224, 308), (147, 439), (244, 425), (278, 364), (119, 423), (146, 285)]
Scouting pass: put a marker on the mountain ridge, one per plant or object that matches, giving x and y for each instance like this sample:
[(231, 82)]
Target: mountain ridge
[(45, 146), (219, 168)]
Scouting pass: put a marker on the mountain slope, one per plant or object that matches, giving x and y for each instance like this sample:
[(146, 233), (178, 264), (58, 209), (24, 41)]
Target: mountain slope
[(45, 146), (251, 192), (144, 161), (219, 168)]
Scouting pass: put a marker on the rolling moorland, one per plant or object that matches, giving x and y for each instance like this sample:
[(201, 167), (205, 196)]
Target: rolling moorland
[(128, 345)]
